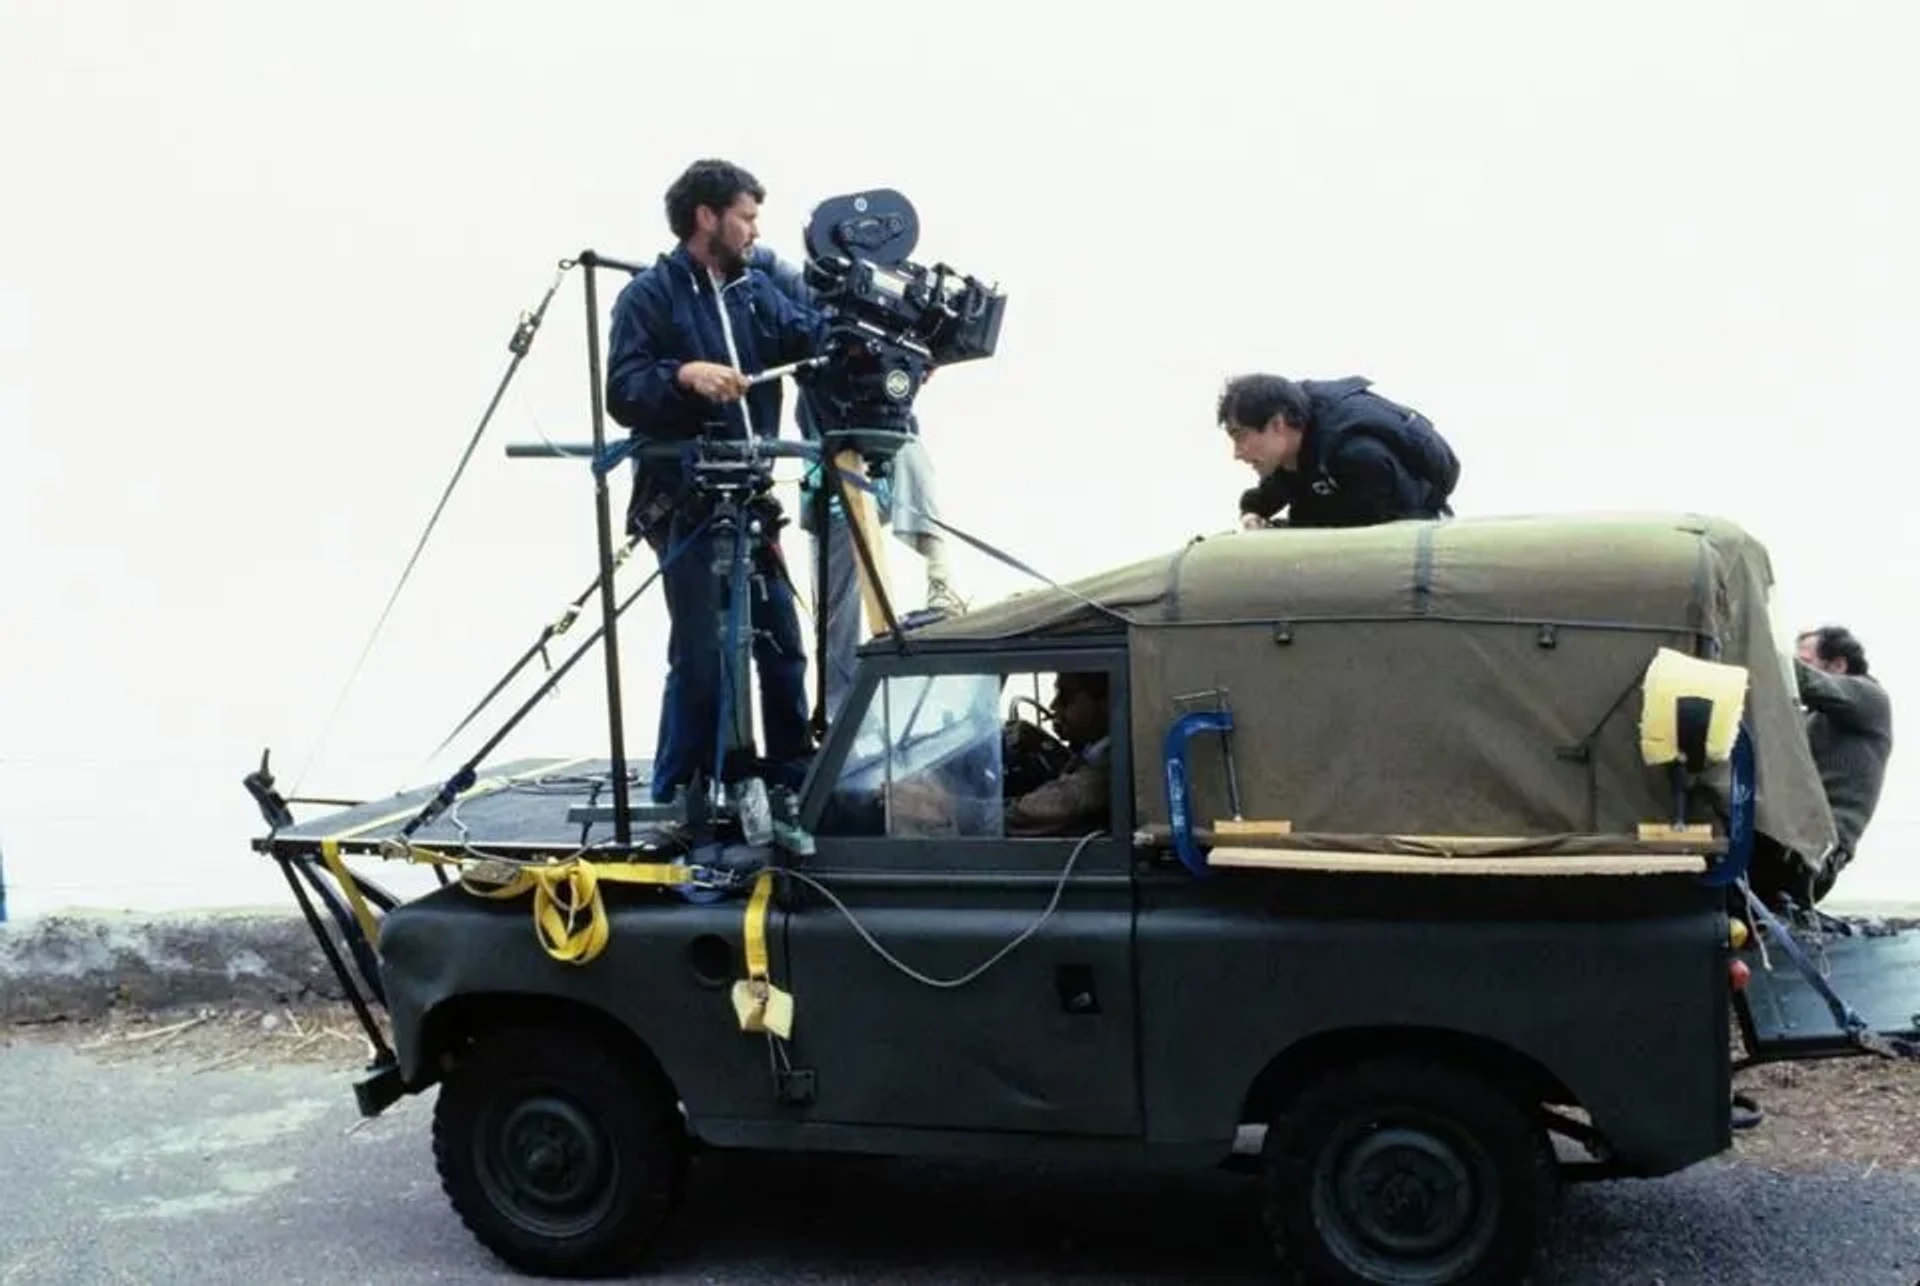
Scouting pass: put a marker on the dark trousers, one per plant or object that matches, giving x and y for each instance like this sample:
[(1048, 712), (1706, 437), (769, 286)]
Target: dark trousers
[(696, 666)]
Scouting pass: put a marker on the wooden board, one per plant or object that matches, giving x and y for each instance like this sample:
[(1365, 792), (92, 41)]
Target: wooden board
[(1668, 833), (862, 512), (1407, 864), (1241, 828)]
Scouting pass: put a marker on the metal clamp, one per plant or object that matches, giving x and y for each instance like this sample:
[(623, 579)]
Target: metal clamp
[(1179, 794)]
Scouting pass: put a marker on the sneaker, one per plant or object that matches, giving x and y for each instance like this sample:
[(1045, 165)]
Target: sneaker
[(942, 599)]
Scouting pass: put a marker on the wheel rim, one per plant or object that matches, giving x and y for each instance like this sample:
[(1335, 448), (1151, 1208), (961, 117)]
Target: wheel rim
[(1407, 1201), (546, 1164)]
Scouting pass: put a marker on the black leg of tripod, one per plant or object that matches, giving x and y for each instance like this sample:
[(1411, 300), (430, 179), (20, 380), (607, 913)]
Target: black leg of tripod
[(830, 472), (735, 567), (731, 558)]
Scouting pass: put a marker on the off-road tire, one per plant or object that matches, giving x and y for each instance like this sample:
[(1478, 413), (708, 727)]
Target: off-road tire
[(549, 1105), (1421, 1136)]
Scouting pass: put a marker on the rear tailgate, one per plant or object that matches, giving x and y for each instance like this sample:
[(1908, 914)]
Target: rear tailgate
[(1846, 989)]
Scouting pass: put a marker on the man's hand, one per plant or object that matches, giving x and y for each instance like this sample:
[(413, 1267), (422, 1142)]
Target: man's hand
[(1253, 522), (712, 381), (917, 807)]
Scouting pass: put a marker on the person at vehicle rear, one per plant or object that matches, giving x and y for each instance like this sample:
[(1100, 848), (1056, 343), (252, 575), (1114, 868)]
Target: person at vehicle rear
[(1333, 453), (1850, 732), (686, 334)]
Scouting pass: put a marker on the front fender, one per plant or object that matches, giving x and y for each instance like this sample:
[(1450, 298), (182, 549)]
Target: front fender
[(665, 976)]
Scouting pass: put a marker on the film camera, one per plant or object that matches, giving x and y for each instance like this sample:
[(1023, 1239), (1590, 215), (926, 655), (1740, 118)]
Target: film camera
[(890, 321)]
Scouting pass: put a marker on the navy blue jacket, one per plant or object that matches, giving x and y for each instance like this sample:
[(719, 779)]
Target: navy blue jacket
[(1363, 460), (669, 314)]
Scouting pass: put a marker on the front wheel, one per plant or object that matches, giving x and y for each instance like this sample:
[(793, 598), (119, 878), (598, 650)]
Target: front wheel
[(560, 1156), (1407, 1173)]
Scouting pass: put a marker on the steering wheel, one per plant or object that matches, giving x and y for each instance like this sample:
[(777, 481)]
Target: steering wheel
[(1033, 756)]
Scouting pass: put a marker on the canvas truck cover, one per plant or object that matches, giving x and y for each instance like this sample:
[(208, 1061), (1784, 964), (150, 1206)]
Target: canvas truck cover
[(1476, 677)]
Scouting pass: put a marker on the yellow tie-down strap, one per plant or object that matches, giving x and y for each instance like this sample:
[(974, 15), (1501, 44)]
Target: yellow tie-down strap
[(759, 1005), (569, 915), (330, 854)]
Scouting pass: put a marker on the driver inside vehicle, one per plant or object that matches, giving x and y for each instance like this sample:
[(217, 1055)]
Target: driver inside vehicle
[(1073, 801)]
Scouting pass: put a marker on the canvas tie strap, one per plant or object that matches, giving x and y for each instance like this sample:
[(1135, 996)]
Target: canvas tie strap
[(759, 1005)]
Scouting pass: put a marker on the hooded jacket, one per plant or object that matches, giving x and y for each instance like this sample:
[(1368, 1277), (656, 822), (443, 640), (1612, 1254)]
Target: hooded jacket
[(1363, 460)]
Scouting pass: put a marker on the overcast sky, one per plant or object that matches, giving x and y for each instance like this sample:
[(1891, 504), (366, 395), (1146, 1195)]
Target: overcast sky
[(260, 263)]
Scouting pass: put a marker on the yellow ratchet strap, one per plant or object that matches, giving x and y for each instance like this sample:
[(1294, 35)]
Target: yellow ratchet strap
[(330, 854), (565, 891), (760, 1006)]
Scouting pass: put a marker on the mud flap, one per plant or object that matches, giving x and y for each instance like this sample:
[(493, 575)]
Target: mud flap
[(1849, 989)]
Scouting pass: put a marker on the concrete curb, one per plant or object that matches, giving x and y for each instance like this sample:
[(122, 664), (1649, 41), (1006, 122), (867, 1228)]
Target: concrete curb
[(84, 965)]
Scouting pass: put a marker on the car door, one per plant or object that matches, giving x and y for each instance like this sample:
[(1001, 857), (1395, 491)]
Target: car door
[(946, 976)]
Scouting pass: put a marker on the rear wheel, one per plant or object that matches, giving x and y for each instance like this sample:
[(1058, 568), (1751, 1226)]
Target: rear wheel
[(561, 1156), (1407, 1172)]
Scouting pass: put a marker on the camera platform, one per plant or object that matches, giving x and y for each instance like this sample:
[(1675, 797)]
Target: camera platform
[(522, 807)]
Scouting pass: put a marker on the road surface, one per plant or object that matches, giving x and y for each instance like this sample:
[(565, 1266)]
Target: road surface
[(139, 1171)]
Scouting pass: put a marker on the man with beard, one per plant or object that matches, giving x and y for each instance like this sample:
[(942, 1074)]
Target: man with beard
[(686, 334)]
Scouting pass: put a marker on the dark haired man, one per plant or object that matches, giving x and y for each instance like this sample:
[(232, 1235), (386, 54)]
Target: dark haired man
[(1332, 453), (1850, 731), (1076, 801), (686, 334)]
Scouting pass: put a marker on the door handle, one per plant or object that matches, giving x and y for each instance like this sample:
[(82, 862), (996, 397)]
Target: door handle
[(1073, 983)]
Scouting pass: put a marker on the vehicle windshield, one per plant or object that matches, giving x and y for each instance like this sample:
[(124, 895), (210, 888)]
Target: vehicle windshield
[(940, 729)]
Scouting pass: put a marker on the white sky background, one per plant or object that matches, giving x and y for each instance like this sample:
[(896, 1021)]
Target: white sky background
[(259, 263)]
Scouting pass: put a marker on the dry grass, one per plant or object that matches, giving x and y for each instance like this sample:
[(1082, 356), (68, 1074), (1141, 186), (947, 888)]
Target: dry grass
[(1862, 1112), (209, 1039)]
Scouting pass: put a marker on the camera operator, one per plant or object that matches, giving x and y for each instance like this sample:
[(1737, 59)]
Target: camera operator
[(686, 332), (1334, 454), (905, 498)]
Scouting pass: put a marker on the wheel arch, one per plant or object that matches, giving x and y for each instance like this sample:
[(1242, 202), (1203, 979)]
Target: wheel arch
[(454, 1024), (1295, 1068)]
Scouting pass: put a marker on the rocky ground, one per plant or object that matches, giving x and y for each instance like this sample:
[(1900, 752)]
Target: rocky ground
[(1851, 1112)]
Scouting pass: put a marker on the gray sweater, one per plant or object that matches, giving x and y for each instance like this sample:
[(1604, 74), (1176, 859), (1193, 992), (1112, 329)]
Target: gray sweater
[(1850, 730)]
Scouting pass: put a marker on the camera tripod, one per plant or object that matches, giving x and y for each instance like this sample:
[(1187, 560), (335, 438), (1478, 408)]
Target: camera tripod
[(727, 479)]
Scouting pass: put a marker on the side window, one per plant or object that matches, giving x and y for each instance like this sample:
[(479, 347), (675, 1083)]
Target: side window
[(925, 761)]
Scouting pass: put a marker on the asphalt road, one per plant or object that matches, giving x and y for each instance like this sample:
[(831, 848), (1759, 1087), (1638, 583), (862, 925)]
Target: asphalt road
[(140, 1172)]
